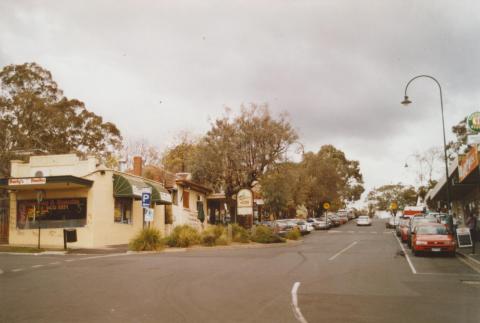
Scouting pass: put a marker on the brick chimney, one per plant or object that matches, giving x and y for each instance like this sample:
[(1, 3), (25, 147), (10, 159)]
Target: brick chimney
[(137, 165)]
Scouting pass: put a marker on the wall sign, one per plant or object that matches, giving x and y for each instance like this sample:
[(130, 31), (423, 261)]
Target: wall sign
[(27, 181), (468, 164)]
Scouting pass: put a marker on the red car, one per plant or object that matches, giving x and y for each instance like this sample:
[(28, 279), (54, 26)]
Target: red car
[(433, 237)]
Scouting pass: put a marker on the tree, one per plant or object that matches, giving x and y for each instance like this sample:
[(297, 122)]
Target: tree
[(180, 157), (140, 147), (330, 176), (283, 188), (238, 150), (383, 196), (458, 146), (35, 115)]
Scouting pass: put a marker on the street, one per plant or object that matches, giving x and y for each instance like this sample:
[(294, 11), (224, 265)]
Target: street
[(348, 274)]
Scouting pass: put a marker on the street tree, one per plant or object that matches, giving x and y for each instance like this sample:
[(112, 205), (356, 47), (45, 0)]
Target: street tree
[(181, 156), (36, 116)]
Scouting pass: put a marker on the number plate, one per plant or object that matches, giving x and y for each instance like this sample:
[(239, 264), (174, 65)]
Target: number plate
[(436, 249)]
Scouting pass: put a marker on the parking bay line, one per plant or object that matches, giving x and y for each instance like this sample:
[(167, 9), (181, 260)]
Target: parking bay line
[(414, 271), (296, 309), (343, 250)]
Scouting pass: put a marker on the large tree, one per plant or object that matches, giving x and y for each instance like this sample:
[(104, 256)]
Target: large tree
[(238, 150), (36, 116)]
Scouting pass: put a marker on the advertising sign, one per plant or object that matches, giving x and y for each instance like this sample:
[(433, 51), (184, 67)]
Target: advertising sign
[(244, 202), (468, 164), (463, 237), (473, 122)]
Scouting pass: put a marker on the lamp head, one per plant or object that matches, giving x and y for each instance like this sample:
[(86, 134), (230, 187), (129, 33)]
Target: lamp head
[(406, 101), (406, 165)]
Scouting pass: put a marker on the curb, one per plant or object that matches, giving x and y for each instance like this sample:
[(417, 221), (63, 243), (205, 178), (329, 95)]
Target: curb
[(472, 262)]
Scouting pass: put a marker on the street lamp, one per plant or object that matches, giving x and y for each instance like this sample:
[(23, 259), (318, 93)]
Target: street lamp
[(406, 101)]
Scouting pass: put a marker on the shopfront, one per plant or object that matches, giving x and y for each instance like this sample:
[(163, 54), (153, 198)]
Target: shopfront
[(102, 205)]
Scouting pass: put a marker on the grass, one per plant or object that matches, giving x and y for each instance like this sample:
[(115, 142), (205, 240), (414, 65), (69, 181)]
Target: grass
[(23, 249)]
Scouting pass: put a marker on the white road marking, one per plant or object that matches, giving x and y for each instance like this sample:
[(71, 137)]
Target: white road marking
[(54, 263), (351, 231), (37, 266), (343, 250), (414, 271), (387, 232), (296, 309), (373, 232), (69, 260), (468, 264), (1, 271), (16, 270)]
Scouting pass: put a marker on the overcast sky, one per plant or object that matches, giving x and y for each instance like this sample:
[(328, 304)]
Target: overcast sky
[(338, 68)]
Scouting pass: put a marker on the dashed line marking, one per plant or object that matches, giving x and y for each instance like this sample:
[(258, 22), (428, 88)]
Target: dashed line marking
[(1, 271), (69, 260), (373, 232), (16, 270), (54, 263), (37, 266)]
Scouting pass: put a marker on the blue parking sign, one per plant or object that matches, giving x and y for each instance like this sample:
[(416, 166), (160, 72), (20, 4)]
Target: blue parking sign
[(146, 198)]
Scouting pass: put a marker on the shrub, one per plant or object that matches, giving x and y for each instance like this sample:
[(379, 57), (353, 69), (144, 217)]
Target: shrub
[(294, 234), (215, 235), (183, 236), (264, 234), (240, 234), (147, 239)]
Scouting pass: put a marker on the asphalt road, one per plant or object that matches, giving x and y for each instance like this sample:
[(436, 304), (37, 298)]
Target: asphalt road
[(350, 274)]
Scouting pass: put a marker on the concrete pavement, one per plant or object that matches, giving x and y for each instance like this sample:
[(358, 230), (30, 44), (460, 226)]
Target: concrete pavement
[(350, 274)]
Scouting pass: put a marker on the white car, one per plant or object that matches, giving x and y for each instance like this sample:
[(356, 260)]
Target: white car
[(364, 220)]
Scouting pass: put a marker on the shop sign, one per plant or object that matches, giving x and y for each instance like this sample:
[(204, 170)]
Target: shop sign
[(473, 122), (27, 181), (245, 202), (165, 197), (468, 164)]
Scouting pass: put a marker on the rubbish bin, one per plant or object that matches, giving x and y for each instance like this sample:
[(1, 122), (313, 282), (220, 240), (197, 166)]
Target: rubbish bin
[(69, 235)]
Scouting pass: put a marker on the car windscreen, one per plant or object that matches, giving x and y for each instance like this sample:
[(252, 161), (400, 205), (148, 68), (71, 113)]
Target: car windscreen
[(432, 230)]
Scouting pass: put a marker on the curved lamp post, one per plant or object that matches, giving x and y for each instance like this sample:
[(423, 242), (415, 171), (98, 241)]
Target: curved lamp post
[(406, 101)]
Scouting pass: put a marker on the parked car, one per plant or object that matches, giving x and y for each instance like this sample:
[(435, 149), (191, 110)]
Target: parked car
[(282, 227), (403, 222), (433, 237), (321, 224), (304, 226), (335, 220), (392, 222), (416, 220), (364, 220)]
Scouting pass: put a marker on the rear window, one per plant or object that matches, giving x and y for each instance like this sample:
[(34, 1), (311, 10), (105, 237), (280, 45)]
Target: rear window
[(363, 218), (432, 230)]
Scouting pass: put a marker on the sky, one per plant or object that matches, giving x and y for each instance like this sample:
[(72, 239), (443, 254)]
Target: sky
[(337, 68)]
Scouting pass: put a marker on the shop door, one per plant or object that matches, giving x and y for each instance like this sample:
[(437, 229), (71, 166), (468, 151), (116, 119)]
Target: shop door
[(4, 215)]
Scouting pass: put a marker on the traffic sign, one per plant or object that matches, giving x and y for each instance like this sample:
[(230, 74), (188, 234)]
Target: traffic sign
[(146, 197), (326, 205), (149, 213), (393, 205)]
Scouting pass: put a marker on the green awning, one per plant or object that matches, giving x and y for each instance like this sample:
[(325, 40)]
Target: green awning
[(126, 186), (160, 194)]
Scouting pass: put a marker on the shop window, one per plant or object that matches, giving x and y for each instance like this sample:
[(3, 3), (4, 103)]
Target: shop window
[(123, 210), (186, 199), (52, 213)]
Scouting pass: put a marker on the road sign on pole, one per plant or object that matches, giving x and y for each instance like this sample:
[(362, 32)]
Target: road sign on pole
[(149, 214), (146, 197), (326, 205)]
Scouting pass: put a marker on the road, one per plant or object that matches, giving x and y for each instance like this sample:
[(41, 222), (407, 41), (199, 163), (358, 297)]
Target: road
[(350, 274)]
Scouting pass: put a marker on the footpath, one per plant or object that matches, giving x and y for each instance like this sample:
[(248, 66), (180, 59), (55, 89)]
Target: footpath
[(473, 259)]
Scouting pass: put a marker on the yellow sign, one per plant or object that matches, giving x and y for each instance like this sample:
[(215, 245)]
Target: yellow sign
[(326, 205), (393, 206)]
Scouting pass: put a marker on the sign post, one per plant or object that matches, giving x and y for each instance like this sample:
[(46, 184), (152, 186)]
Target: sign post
[(326, 206), (464, 238), (245, 205), (146, 201)]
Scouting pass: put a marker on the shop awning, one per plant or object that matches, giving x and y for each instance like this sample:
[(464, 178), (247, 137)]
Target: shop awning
[(44, 183), (127, 186)]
